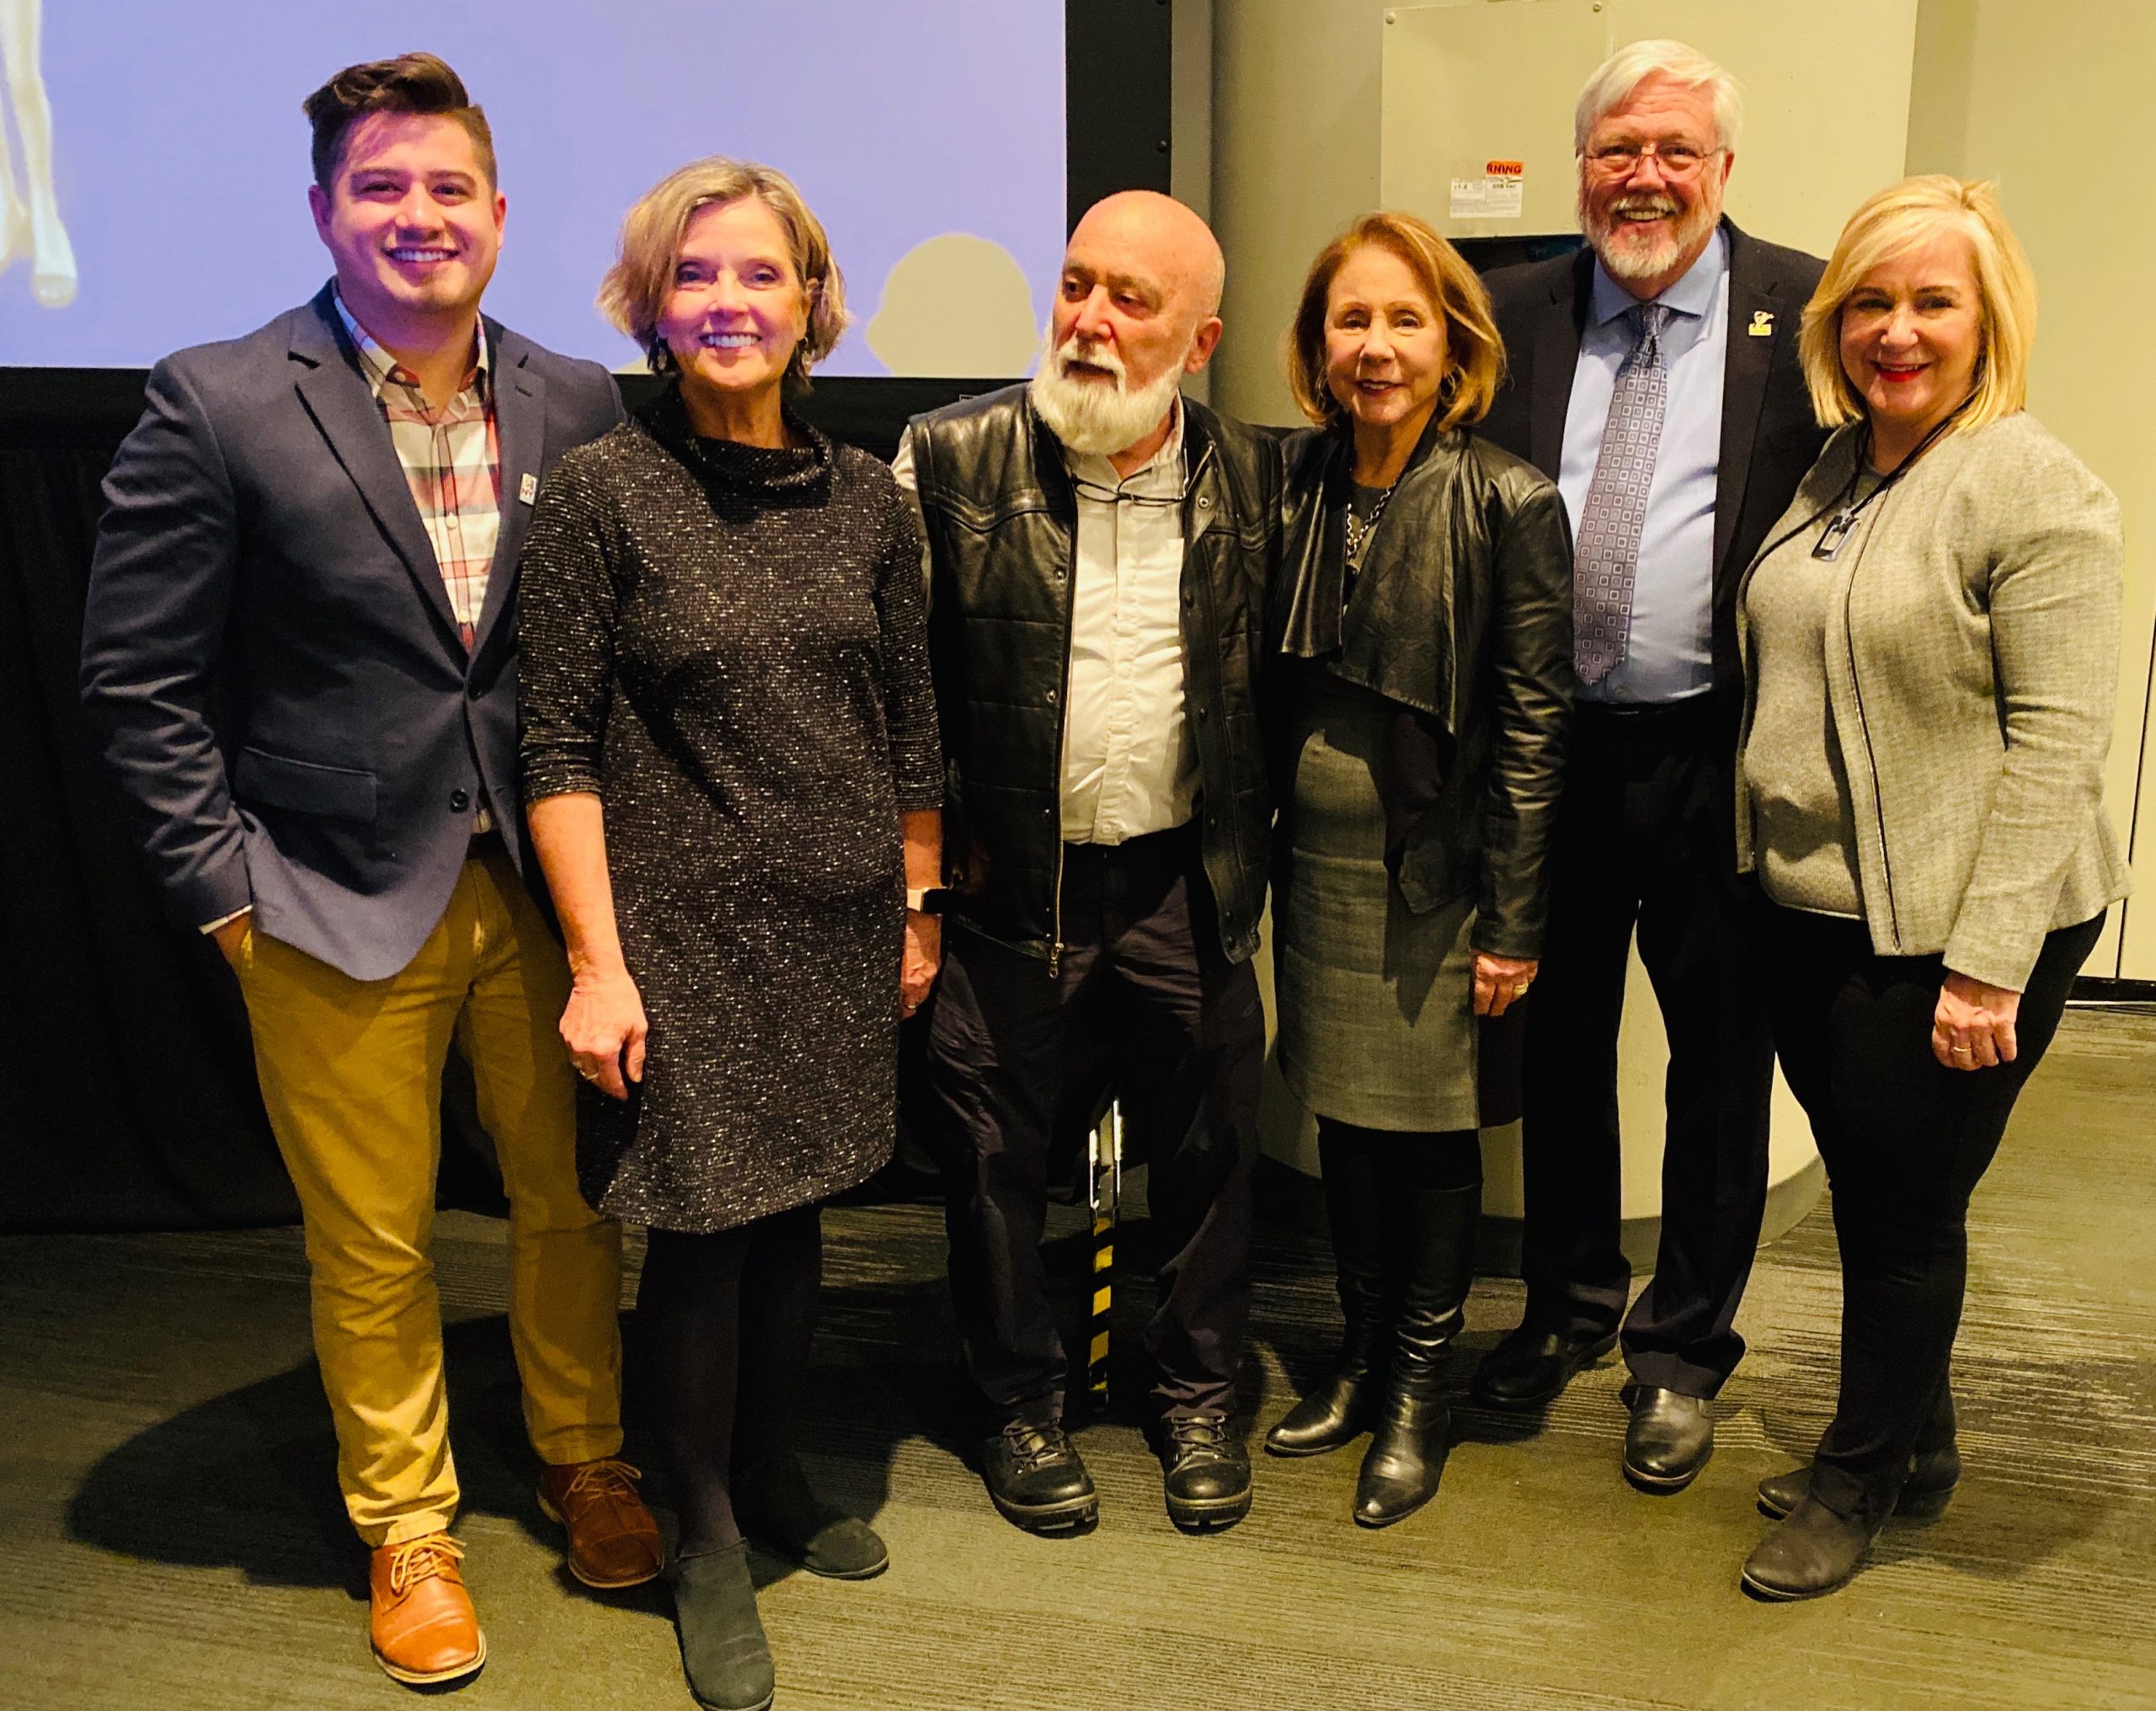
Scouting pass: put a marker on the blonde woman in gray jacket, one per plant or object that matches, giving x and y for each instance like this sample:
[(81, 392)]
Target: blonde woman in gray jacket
[(1931, 641)]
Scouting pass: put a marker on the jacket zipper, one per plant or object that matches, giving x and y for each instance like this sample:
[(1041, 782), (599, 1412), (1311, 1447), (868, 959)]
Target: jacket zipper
[(1062, 737), (1863, 728)]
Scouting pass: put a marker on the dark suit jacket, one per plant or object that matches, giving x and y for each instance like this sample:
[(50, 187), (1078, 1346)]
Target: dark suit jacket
[(1769, 438), (270, 662)]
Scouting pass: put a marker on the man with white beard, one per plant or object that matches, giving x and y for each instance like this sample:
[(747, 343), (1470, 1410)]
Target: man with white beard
[(1654, 376), (1098, 549)]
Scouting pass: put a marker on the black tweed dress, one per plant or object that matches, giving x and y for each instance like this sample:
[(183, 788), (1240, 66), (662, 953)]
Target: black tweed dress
[(728, 644)]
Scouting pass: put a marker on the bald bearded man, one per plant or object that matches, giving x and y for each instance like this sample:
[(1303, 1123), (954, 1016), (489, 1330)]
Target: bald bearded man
[(1098, 548)]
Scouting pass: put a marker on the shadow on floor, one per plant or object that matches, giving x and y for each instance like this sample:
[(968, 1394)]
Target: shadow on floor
[(248, 1479)]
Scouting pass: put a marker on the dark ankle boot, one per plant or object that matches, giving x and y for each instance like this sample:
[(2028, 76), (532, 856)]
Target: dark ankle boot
[(1408, 1447), (1344, 1405), (724, 1651), (778, 1508), (1934, 1471)]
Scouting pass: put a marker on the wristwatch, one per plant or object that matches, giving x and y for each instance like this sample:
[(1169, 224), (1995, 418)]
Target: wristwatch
[(928, 900)]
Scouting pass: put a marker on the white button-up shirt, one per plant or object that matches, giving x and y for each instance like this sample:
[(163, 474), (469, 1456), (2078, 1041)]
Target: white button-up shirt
[(1129, 766)]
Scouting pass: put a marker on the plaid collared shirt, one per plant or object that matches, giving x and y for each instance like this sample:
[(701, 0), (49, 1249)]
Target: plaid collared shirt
[(452, 460)]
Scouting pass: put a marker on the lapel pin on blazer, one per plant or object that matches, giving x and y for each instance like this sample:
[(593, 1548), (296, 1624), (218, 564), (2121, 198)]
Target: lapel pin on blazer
[(1763, 324), (527, 488)]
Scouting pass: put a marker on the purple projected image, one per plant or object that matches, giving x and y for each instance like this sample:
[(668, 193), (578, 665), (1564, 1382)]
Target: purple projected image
[(153, 159)]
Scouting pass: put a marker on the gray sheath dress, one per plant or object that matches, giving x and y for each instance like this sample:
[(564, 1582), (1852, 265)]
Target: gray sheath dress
[(728, 645), (1376, 1003)]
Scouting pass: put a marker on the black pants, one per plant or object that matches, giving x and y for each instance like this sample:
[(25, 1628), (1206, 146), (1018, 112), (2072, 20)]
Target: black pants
[(1645, 838), (1905, 1140), (1145, 1006)]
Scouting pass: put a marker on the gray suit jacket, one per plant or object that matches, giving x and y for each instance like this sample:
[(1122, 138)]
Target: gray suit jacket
[(1971, 659), (270, 662)]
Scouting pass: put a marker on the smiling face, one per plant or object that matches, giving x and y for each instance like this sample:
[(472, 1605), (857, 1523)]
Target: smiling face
[(1649, 211), (412, 221), (738, 307), (1911, 333), (1384, 341)]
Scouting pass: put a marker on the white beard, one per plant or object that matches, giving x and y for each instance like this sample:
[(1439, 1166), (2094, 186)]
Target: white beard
[(1091, 416), (1628, 255)]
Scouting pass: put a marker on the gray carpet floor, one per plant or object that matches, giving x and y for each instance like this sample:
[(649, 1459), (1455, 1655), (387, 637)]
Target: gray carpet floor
[(169, 1533)]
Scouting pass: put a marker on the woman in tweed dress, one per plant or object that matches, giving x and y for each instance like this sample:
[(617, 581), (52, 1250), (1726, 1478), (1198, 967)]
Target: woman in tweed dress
[(1425, 608), (1931, 641), (732, 780)]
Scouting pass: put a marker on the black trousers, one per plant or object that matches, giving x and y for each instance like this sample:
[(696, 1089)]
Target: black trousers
[(1906, 1140), (1644, 838), (1143, 1006)]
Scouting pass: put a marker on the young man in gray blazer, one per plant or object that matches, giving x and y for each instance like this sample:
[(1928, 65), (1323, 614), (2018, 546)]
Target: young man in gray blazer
[(299, 657), (1654, 376)]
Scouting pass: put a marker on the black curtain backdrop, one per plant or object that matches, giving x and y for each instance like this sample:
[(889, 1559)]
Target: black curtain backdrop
[(129, 1099)]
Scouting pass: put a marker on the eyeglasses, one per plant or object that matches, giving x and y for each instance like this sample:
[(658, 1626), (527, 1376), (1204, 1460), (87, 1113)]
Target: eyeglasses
[(1675, 160)]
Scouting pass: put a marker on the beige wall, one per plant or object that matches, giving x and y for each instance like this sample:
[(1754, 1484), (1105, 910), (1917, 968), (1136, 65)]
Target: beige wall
[(2050, 98), (1295, 90)]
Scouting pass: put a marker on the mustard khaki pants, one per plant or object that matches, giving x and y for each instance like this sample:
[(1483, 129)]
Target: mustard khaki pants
[(351, 1072)]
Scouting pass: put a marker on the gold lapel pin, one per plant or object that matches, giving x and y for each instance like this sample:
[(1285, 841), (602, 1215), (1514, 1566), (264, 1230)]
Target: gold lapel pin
[(1763, 324)]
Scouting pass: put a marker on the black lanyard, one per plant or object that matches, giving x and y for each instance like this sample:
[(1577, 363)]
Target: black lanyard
[(1848, 508)]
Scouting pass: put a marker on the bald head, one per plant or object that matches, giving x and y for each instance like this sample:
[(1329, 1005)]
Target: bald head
[(1159, 236), (1139, 300)]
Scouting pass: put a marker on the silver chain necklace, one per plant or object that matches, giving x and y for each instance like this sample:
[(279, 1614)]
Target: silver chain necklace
[(1358, 531)]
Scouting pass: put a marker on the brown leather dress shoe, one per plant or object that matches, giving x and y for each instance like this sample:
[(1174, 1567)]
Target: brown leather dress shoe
[(613, 1541), (420, 1621)]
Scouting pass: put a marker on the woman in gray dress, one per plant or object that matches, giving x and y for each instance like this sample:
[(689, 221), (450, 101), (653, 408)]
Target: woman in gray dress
[(1425, 606), (733, 782)]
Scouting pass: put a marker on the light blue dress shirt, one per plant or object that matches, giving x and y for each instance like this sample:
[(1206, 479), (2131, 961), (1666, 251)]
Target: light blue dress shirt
[(1669, 651)]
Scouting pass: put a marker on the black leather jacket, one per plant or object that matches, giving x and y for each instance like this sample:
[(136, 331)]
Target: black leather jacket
[(1001, 524), (1462, 616)]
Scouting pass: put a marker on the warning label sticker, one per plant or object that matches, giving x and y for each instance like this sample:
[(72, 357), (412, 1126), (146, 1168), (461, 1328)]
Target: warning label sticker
[(1500, 193)]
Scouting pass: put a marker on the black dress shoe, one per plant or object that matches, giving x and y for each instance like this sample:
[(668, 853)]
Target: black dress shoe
[(1670, 1439), (724, 1655), (1933, 1474), (1205, 1472), (1037, 1480), (780, 1509), (1816, 1551), (1530, 1366)]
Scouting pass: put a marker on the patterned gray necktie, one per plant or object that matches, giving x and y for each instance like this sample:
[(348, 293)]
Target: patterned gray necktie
[(1606, 557)]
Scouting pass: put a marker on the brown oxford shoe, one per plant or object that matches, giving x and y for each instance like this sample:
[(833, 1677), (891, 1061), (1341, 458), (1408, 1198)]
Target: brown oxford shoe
[(420, 1621), (613, 1541)]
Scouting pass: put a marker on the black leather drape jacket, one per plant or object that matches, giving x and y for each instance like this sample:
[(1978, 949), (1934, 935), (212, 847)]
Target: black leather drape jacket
[(1462, 616), (1001, 524)]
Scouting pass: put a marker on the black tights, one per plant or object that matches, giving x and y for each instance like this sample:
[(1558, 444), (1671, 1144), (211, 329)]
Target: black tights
[(1408, 1158), (724, 1323)]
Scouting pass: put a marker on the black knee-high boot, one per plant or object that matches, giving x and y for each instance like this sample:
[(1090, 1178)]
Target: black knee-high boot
[(1407, 1451), (1344, 1405)]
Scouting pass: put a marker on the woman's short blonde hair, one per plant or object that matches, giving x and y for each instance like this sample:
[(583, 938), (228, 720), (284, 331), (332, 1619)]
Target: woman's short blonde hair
[(1900, 218), (635, 289), (1475, 355)]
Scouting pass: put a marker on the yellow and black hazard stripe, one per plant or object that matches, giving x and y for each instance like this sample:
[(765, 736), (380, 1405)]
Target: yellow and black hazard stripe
[(1104, 1162)]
